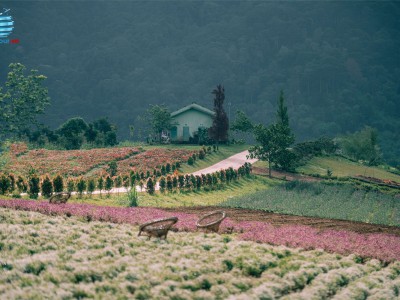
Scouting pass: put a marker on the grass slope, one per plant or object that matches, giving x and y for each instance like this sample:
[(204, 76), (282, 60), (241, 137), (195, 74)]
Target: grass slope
[(68, 258), (342, 167), (242, 187), (324, 201)]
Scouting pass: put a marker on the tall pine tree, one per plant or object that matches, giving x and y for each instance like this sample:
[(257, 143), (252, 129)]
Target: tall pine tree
[(219, 129)]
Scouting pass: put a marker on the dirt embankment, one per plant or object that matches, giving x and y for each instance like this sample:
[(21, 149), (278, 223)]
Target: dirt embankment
[(280, 219)]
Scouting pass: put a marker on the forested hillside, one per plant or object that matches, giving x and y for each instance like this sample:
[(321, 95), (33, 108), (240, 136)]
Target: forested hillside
[(338, 62)]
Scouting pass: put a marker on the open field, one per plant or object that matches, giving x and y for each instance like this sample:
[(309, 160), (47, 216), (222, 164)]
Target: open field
[(342, 167), (325, 201), (69, 258)]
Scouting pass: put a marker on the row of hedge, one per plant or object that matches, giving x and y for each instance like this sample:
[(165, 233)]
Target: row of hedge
[(34, 185), (190, 182)]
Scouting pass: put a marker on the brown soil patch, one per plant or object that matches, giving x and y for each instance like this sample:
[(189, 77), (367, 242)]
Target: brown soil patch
[(239, 214)]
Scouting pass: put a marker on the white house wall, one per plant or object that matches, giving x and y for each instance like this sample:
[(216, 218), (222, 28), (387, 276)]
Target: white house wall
[(192, 118)]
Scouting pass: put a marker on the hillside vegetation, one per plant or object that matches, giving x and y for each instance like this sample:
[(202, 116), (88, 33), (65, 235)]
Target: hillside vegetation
[(343, 167), (338, 62), (342, 202)]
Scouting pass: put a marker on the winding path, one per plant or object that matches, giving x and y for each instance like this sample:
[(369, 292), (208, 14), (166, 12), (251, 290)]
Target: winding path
[(234, 161)]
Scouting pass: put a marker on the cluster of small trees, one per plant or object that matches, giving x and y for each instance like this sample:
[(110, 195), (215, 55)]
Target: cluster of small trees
[(33, 185), (192, 182)]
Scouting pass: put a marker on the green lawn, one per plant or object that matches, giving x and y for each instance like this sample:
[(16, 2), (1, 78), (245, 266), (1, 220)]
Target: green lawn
[(342, 167), (342, 202), (239, 188)]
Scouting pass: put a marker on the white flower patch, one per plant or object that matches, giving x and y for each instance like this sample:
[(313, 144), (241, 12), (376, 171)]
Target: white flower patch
[(60, 257)]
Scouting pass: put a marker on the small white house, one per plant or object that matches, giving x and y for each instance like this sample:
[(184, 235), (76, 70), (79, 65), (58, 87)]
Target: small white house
[(187, 121)]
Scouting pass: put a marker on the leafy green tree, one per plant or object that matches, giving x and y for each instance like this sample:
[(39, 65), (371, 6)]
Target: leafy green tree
[(242, 123), (219, 129), (72, 133), (21, 100), (274, 140), (362, 145), (159, 119)]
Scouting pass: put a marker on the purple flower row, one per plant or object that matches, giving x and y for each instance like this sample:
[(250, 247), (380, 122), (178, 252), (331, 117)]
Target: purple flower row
[(383, 246)]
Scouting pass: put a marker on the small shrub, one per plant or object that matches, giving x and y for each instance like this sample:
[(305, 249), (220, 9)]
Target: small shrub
[(169, 183), (81, 186), (35, 268), (108, 184), (33, 186), (91, 186), (47, 187), (70, 185), (150, 186), (190, 161), (163, 184), (4, 184), (22, 185), (58, 184), (202, 155), (112, 168), (133, 197)]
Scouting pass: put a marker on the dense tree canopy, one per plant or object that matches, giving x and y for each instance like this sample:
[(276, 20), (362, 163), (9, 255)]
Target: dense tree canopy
[(337, 61)]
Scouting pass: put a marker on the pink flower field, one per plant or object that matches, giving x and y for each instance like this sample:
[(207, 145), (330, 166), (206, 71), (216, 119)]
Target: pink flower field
[(385, 247), (72, 163), (65, 162)]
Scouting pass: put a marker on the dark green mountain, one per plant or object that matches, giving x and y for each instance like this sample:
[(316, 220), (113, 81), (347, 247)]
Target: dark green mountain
[(338, 62)]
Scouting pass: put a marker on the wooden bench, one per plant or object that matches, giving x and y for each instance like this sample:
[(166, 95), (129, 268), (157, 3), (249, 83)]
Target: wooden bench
[(157, 228)]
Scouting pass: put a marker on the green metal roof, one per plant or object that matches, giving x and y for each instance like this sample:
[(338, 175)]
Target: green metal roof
[(194, 106)]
